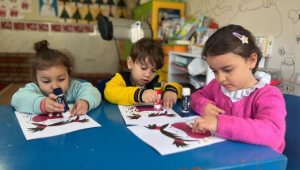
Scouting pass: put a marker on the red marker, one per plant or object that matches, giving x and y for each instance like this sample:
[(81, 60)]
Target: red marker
[(157, 104)]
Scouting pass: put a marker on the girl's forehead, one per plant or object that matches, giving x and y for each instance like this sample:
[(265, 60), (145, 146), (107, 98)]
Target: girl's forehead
[(225, 59)]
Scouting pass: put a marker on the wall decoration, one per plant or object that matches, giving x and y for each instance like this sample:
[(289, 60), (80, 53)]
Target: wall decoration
[(12, 9), (46, 27), (88, 17), (3, 12), (110, 3), (64, 14), (99, 3), (294, 15), (26, 6), (48, 8), (272, 18), (76, 15), (287, 71), (87, 11), (122, 5), (297, 37)]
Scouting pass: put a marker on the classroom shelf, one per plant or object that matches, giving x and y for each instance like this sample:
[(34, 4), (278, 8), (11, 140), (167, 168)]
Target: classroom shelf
[(180, 74)]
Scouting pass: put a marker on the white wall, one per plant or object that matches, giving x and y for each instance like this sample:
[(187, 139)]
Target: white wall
[(277, 18), (92, 54)]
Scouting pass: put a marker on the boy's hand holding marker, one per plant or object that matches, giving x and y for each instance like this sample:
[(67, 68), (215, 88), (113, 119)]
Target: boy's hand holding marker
[(150, 96)]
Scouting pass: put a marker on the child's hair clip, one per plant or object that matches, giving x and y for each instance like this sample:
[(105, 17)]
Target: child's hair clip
[(243, 38)]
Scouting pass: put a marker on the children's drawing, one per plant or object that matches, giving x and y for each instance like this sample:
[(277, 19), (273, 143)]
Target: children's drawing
[(144, 115), (287, 71), (42, 126), (173, 137), (48, 8), (261, 10), (14, 12), (46, 125), (26, 6), (216, 6), (2, 11), (178, 140), (294, 15), (137, 116), (297, 37)]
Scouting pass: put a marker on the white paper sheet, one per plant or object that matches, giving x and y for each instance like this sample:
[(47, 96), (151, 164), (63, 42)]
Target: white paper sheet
[(147, 114), (43, 125), (173, 137)]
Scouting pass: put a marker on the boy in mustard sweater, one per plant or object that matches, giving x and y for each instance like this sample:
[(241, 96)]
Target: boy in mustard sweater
[(136, 86)]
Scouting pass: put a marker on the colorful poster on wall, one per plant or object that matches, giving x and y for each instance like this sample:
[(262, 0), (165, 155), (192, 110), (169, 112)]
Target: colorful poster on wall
[(25, 6), (87, 11), (10, 9), (48, 8)]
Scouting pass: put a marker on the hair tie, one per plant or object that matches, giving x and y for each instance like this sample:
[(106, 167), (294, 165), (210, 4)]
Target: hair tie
[(243, 38)]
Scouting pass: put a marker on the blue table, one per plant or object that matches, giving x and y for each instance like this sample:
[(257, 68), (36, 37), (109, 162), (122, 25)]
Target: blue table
[(113, 146)]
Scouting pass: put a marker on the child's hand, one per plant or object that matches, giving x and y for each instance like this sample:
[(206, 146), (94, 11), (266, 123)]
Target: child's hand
[(150, 96), (80, 107), (52, 106), (207, 122), (212, 110), (169, 99)]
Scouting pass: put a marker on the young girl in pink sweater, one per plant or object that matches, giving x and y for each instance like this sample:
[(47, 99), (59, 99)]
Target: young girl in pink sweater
[(239, 104)]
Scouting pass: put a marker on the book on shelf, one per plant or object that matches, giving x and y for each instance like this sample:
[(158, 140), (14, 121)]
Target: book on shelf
[(182, 61), (265, 45), (179, 42)]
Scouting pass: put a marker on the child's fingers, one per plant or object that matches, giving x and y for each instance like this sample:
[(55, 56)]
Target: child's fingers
[(166, 103), (197, 127), (220, 110), (79, 108), (202, 131), (196, 124), (213, 112), (80, 111), (73, 110), (52, 96), (54, 106)]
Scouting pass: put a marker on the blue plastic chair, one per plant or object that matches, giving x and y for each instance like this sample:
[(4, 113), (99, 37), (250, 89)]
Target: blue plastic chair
[(101, 86), (292, 135)]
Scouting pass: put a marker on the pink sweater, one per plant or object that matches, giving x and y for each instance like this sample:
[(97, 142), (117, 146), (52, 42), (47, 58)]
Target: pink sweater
[(256, 119)]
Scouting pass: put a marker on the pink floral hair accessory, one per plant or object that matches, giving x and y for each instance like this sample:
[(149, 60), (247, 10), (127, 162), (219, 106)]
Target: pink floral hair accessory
[(243, 38)]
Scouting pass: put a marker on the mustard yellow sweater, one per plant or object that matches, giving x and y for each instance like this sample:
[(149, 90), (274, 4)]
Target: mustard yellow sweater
[(121, 89)]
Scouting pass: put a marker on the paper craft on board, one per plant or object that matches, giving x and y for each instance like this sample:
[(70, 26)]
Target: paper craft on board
[(147, 114), (46, 125), (174, 137)]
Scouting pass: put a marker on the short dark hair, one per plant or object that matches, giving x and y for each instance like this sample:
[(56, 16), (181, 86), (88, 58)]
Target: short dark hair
[(45, 58), (223, 42), (148, 48)]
